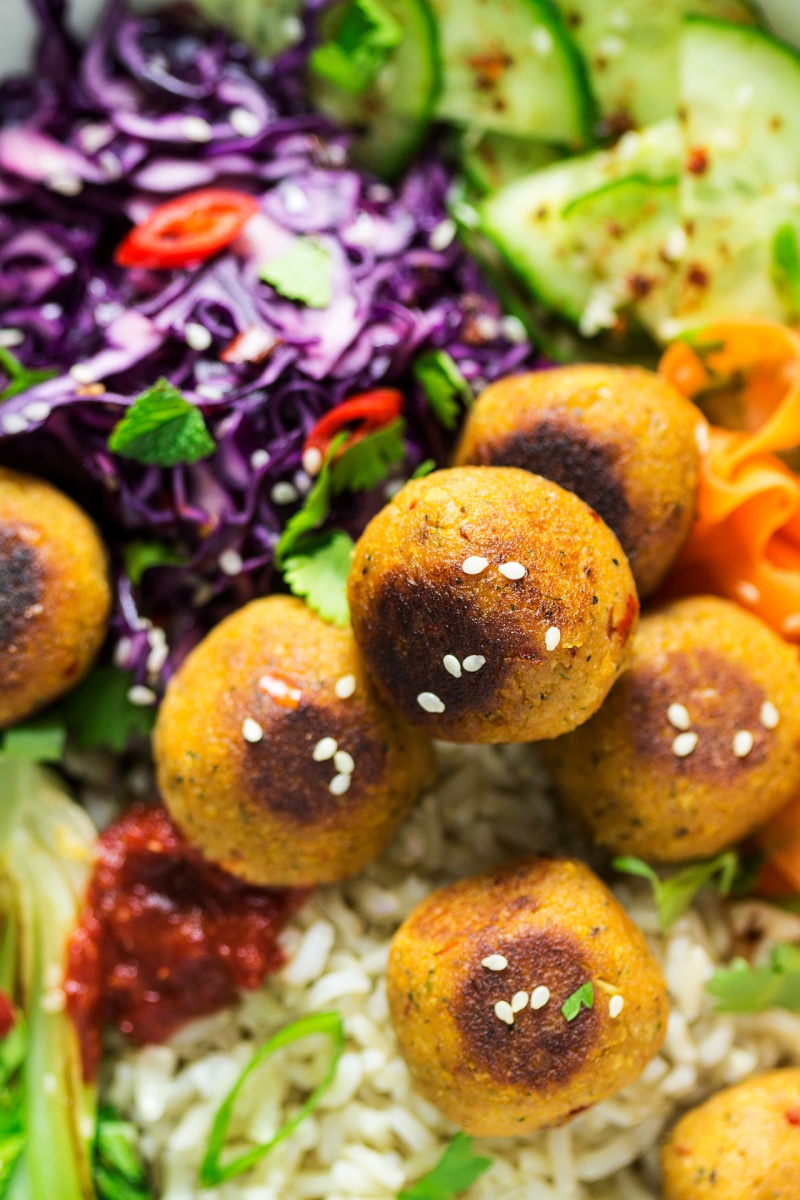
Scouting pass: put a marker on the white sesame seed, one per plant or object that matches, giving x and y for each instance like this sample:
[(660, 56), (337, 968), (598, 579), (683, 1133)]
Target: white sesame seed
[(513, 329), (393, 487), (769, 715), (312, 460), (122, 651), (519, 1001), (209, 391), (259, 459), (747, 592), (197, 336), (495, 962), (339, 784), (486, 327), (442, 235), (230, 562), (66, 265), (552, 638), (344, 762), (37, 410), (345, 687), (474, 565), (284, 492), (325, 748), (251, 730), (157, 657), (684, 744), (742, 743), (52, 312), (504, 1011), (292, 28), (302, 481), (11, 337), (473, 662), (430, 702), (294, 198), (65, 184), (244, 122), (141, 696), (615, 1006), (539, 996), (678, 716), (196, 129), (81, 373), (512, 570), (14, 423), (451, 664)]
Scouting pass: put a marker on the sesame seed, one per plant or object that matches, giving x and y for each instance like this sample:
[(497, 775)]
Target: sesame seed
[(81, 373), (157, 657), (197, 336), (487, 328), (552, 638), (684, 744), (37, 410), (11, 337), (742, 743), (678, 716), (284, 492), (430, 702), (495, 962), (451, 664), (519, 1001), (344, 762), (251, 730), (294, 198), (196, 129), (66, 265), (473, 662), (504, 1011), (141, 696), (52, 312), (514, 330), (230, 562), (244, 122), (339, 784), (539, 996), (312, 460), (442, 235), (474, 565), (325, 748), (615, 1006), (65, 184), (512, 570), (345, 687), (259, 459), (769, 715), (209, 392), (14, 423), (747, 592), (302, 481)]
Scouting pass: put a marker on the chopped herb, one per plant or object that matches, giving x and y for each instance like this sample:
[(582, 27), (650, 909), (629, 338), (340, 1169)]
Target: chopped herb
[(424, 469), (304, 273), (369, 460), (117, 1169), (141, 556), (582, 998), (20, 378), (674, 895), (445, 387), (740, 988), (786, 267), (212, 1171), (315, 507), (161, 428), (317, 570), (99, 714), (456, 1170), (38, 740), (366, 37)]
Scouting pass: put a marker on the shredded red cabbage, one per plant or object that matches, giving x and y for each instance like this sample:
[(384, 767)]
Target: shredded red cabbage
[(97, 135)]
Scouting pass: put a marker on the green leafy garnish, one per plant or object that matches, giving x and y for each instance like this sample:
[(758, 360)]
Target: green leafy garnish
[(98, 712), (140, 556), (117, 1169), (582, 998), (20, 378), (212, 1171), (369, 460), (38, 740), (317, 571), (315, 507), (456, 1170), (445, 387), (674, 895), (786, 266), (366, 37), (161, 428), (304, 273), (740, 988), (424, 468), (13, 1048)]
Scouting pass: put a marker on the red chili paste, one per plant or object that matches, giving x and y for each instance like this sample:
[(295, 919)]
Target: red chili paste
[(165, 936)]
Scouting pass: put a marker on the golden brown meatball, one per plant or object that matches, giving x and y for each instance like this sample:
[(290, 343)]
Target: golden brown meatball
[(275, 755), (54, 594), (478, 977), (697, 744), (491, 605), (621, 438), (742, 1144)]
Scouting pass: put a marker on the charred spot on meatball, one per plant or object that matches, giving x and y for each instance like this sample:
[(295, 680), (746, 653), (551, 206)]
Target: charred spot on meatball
[(20, 583)]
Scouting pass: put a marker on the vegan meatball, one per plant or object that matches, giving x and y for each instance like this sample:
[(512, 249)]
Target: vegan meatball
[(742, 1144), (523, 996), (275, 755), (491, 605), (55, 597), (697, 744), (621, 438)]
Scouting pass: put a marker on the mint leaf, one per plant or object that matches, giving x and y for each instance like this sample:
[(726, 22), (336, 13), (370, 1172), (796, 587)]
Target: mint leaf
[(674, 895), (445, 387), (786, 267), (39, 740), (456, 1170), (317, 571), (366, 37), (304, 273), (369, 460), (140, 556), (582, 998), (99, 714), (740, 988), (161, 428), (20, 378)]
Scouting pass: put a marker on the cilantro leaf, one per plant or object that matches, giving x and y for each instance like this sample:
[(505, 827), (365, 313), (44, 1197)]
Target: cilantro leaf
[(140, 556), (99, 713), (366, 37), (304, 273), (445, 387), (456, 1170), (20, 378), (740, 988), (674, 895), (786, 267), (315, 507), (38, 740), (161, 428), (317, 570), (582, 998), (369, 460), (117, 1168), (424, 469)]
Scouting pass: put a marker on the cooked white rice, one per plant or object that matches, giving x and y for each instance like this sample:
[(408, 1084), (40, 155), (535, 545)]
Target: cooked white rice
[(372, 1134)]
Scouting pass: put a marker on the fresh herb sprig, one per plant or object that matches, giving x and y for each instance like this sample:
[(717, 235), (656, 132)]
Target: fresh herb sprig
[(456, 1170), (367, 35), (674, 895), (445, 388), (20, 378), (740, 988), (162, 428)]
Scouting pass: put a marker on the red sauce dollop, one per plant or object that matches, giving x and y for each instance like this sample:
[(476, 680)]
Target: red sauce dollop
[(165, 936)]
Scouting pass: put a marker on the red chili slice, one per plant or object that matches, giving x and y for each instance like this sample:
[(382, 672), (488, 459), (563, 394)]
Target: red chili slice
[(187, 229), (368, 412)]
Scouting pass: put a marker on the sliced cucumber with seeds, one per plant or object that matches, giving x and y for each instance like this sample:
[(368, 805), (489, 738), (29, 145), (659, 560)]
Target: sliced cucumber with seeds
[(496, 159), (511, 66)]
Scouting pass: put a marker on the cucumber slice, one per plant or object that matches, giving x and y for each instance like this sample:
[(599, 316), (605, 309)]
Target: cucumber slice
[(267, 26), (533, 224), (392, 116), (497, 159), (511, 66), (740, 89), (631, 48)]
